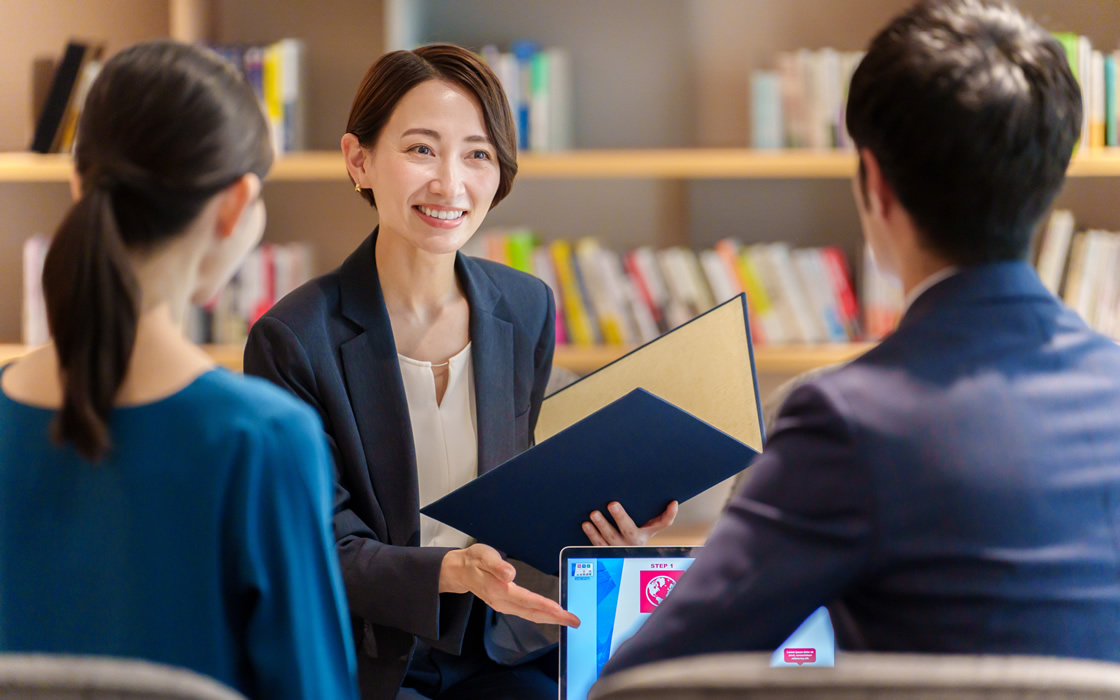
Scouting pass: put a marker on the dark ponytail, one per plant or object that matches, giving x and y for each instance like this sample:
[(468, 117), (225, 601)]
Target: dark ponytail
[(165, 127)]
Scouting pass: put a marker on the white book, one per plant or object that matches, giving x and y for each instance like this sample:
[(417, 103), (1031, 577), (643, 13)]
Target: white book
[(828, 90), (1054, 251), (1097, 258), (35, 330), (639, 319), (1087, 296), (646, 262), (644, 322), (701, 293), (293, 92), (540, 108), (1085, 70), (614, 297), (1109, 286), (1071, 292), (509, 73), (817, 285), (678, 311), (1096, 106), (559, 100), (543, 269), (793, 99), (790, 330), (716, 272), (811, 327)]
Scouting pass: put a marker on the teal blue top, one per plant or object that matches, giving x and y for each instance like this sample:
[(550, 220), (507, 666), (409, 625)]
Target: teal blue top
[(203, 540)]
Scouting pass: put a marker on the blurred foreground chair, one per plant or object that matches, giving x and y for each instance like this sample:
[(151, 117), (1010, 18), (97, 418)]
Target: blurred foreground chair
[(51, 677), (860, 676)]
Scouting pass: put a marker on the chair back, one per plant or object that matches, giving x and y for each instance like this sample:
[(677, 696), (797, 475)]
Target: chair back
[(58, 677), (860, 676)]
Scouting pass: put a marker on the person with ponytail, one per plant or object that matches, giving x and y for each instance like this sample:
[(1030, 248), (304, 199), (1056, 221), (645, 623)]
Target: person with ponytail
[(151, 505)]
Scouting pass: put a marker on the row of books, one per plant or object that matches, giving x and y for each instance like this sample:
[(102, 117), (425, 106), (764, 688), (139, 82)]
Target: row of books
[(56, 122), (1096, 72), (801, 104), (278, 74), (1083, 267), (538, 85), (270, 272), (610, 298)]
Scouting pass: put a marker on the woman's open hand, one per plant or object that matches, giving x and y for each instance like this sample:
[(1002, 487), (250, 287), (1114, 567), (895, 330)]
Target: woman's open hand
[(479, 569)]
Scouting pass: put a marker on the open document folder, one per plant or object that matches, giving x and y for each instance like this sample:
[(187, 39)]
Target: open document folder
[(665, 422)]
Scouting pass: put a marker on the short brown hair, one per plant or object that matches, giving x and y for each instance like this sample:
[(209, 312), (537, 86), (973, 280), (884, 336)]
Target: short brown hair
[(391, 77)]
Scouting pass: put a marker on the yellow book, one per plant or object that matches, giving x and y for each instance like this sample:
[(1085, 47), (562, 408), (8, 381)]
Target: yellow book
[(271, 80), (603, 307), (579, 327), (704, 367)]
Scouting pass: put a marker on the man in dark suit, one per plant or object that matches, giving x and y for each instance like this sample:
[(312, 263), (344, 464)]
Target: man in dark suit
[(956, 489)]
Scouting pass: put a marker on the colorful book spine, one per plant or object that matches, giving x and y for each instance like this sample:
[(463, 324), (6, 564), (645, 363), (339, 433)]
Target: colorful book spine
[(537, 83)]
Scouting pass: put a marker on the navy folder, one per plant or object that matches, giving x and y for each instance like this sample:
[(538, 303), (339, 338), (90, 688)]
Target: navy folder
[(639, 450)]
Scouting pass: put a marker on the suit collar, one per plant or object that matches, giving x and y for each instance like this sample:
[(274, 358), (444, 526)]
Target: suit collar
[(363, 303), (376, 389), (978, 283)]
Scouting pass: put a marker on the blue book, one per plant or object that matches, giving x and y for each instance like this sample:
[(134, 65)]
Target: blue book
[(665, 422), (639, 450), (524, 52), (767, 127), (1110, 101)]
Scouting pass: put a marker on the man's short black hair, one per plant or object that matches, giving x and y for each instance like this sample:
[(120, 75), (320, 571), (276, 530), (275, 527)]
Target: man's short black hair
[(972, 112)]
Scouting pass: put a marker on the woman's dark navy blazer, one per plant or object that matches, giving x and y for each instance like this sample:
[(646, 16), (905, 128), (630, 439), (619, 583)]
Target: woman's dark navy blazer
[(330, 343)]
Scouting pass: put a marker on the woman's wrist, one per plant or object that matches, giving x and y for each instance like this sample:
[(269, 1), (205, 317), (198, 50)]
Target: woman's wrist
[(450, 572)]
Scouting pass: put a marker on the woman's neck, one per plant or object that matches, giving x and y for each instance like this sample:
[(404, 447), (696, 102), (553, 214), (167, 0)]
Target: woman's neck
[(413, 281)]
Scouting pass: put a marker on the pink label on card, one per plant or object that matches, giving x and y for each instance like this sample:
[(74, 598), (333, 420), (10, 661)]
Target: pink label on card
[(800, 656)]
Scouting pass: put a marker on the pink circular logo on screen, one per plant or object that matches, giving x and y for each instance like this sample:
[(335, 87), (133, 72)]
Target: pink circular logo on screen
[(657, 588)]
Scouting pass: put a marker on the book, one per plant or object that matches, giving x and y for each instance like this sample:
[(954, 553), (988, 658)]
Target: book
[(801, 103), (665, 422), (61, 96), (34, 312), (628, 298)]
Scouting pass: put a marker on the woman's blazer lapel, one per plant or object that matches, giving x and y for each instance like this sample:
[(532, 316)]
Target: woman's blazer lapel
[(376, 390), (372, 374), (493, 364)]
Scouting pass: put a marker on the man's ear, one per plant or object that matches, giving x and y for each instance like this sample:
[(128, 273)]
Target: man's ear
[(355, 157), (233, 202), (878, 194)]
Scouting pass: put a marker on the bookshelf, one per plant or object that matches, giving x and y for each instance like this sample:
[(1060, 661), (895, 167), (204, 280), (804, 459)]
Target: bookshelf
[(660, 112), (773, 359), (641, 164)]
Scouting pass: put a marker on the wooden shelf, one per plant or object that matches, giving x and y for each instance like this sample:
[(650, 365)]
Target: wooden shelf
[(777, 359), (683, 163)]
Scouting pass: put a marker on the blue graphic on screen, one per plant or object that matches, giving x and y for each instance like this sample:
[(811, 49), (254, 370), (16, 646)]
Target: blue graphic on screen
[(608, 574), (613, 597)]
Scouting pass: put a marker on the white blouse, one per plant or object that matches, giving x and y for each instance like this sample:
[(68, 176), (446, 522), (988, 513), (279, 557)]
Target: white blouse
[(445, 436)]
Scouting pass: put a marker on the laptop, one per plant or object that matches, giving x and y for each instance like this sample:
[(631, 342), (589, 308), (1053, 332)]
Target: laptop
[(612, 590)]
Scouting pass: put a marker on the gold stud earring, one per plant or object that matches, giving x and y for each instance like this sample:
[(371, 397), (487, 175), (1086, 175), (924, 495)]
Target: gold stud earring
[(357, 188)]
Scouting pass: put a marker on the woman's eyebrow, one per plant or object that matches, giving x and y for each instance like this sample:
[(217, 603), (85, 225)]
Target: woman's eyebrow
[(477, 138)]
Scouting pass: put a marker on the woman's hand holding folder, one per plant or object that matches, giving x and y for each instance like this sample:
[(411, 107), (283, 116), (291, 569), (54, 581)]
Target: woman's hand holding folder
[(479, 569), (625, 533)]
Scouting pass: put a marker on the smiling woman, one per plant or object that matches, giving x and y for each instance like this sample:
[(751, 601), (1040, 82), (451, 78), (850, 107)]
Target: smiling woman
[(428, 368)]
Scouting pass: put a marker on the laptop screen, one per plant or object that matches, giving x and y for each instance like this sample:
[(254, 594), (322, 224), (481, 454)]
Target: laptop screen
[(613, 590)]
